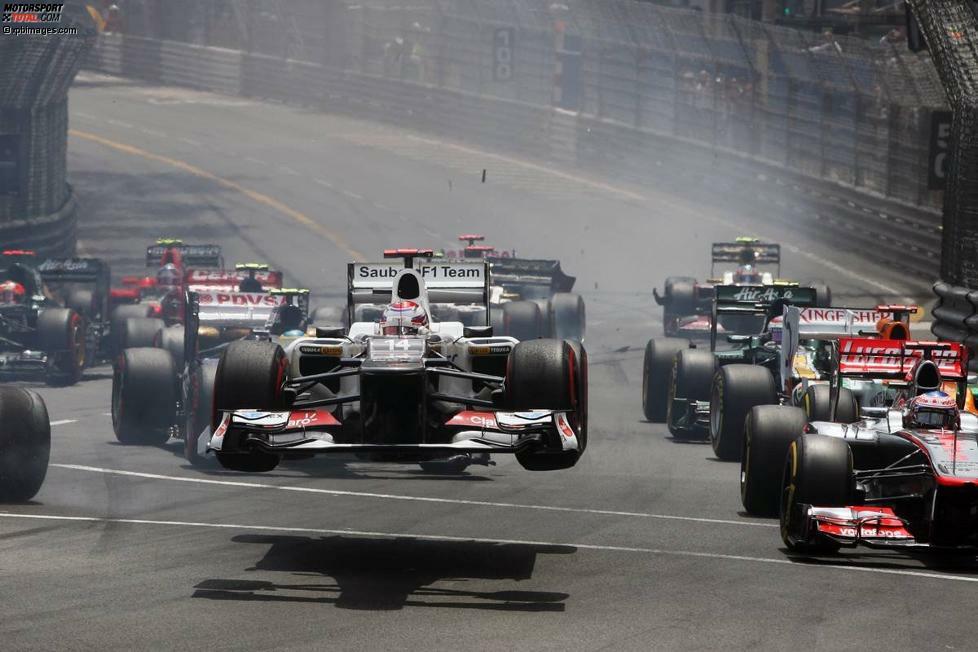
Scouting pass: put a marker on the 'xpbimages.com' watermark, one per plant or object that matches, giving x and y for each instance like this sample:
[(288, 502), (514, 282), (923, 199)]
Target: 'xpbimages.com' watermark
[(34, 19)]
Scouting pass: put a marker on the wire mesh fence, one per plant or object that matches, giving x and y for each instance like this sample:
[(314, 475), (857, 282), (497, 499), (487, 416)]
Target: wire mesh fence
[(833, 107)]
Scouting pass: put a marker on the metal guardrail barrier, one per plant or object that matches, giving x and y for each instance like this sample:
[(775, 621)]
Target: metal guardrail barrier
[(51, 235)]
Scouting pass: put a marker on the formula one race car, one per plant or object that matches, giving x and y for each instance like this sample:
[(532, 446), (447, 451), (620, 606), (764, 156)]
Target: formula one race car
[(167, 390), (144, 297), (41, 336), (406, 389), (903, 475), (532, 297), (678, 376), (686, 303), (25, 444), (789, 362), (140, 329)]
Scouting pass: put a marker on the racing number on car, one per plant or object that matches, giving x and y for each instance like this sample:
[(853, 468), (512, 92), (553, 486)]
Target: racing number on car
[(502, 54), (393, 345)]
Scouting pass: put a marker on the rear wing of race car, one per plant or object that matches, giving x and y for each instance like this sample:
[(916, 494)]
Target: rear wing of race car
[(527, 271), (761, 297), (745, 251), (897, 360), (256, 311), (764, 300), (184, 255), (447, 281), (230, 279), (91, 272), (815, 323), (830, 324)]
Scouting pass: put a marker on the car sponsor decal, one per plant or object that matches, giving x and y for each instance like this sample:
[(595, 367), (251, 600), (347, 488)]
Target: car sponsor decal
[(435, 275), (217, 439), (860, 522), (953, 455), (260, 419), (568, 438), (472, 419), (240, 299), (314, 418), (873, 356)]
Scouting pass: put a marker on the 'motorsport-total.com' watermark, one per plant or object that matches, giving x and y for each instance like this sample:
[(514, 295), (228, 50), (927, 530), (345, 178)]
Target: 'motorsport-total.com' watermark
[(33, 18)]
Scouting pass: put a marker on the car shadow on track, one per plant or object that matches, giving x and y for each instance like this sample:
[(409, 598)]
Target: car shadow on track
[(390, 574)]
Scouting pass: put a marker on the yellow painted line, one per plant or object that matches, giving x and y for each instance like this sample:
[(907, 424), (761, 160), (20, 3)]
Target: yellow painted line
[(257, 197)]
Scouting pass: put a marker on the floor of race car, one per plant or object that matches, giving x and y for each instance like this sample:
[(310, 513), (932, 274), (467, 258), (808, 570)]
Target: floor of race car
[(640, 546)]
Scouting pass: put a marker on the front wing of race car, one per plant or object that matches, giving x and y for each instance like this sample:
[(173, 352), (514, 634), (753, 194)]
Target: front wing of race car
[(317, 431), (25, 365), (871, 526)]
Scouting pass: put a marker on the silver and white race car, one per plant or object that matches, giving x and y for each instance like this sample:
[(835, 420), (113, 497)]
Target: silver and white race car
[(449, 394)]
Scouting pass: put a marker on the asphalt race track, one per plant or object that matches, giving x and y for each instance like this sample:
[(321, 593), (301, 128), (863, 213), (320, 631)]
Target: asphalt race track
[(641, 546)]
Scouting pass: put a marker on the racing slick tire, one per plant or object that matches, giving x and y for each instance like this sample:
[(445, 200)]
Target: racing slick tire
[(444, 312), (580, 415), (61, 334), (768, 432), (368, 313), (141, 332), (496, 319), (118, 321), (200, 407), (25, 444), (680, 300), (251, 374), (736, 389), (329, 316), (823, 294), (566, 316), (170, 338), (548, 374), (690, 378), (144, 396), (475, 316), (82, 302), (817, 403), (522, 320), (656, 375), (817, 471)]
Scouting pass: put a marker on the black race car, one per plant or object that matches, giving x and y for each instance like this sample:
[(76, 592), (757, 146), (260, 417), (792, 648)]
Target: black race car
[(52, 313)]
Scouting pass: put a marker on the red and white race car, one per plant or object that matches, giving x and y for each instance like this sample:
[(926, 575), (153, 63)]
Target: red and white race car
[(901, 474)]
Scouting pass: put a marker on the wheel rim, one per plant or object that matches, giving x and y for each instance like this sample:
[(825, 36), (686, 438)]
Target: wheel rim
[(117, 406), (671, 393), (745, 462), (788, 492), (645, 383), (716, 412), (78, 343)]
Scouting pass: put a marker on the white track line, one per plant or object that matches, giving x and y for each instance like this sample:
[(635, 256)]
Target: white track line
[(420, 499), (62, 422), (518, 542)]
